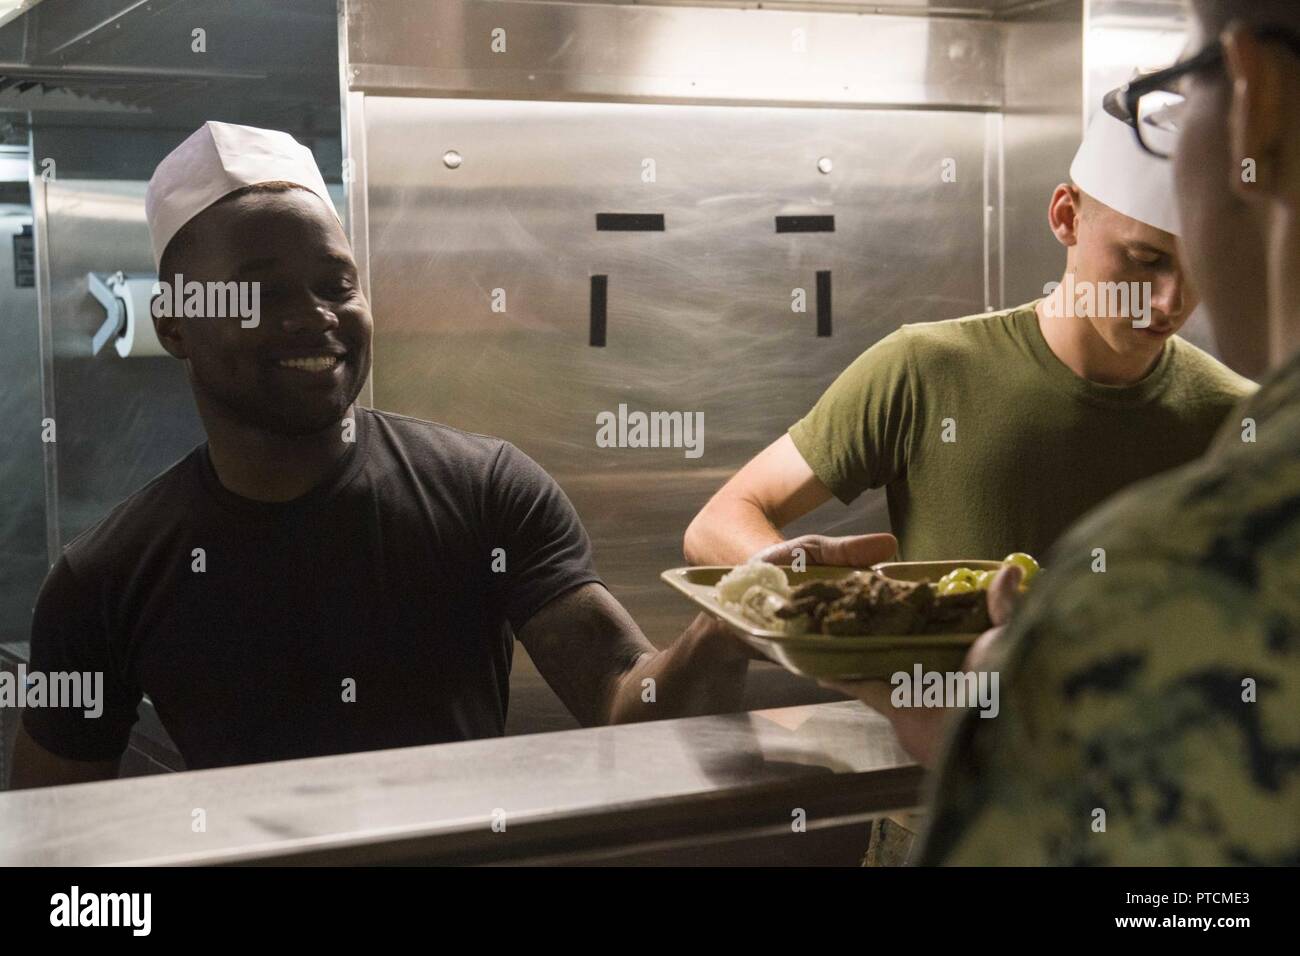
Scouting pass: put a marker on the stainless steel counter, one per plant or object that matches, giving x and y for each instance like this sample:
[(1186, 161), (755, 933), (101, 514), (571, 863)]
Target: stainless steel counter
[(707, 789)]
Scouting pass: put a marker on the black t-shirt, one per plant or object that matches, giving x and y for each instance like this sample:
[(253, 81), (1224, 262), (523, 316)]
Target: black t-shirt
[(386, 575)]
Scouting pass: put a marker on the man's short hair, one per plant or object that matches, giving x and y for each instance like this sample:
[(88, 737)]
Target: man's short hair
[(185, 239)]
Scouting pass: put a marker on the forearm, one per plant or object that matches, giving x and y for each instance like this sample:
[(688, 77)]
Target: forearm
[(596, 659), (34, 766), (728, 531), (702, 672)]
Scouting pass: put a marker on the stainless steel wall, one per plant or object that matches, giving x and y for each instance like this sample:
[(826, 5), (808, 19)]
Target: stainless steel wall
[(699, 316), (1042, 122), (609, 50), (734, 109)]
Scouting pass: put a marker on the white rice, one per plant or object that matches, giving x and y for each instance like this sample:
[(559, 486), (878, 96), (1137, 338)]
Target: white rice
[(733, 585)]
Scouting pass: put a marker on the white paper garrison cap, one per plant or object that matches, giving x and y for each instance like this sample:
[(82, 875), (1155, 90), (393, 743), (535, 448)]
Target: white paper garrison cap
[(1112, 168), (214, 161)]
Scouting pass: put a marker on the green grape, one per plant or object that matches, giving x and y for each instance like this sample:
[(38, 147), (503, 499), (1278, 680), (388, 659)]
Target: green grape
[(1027, 565), (965, 574), (984, 579), (960, 581)]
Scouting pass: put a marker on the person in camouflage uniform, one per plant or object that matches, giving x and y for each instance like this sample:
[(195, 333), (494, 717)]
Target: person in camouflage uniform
[(1163, 692), (1151, 710)]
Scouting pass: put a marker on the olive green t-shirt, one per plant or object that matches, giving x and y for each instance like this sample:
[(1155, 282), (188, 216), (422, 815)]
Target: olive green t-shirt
[(987, 443)]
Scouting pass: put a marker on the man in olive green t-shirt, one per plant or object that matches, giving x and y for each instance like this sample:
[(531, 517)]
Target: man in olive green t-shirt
[(994, 433)]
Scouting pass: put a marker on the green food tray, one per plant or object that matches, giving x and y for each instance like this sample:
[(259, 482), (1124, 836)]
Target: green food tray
[(839, 657)]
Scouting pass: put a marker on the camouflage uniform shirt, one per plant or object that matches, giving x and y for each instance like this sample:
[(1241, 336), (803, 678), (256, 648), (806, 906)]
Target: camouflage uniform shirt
[(1150, 713)]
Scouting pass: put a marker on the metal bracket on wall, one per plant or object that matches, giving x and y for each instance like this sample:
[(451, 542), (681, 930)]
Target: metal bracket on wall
[(103, 287)]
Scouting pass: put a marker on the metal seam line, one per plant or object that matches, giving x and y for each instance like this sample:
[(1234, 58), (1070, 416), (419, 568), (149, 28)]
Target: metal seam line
[(40, 229)]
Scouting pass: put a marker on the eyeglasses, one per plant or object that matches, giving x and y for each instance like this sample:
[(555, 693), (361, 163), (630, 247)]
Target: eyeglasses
[(1153, 104)]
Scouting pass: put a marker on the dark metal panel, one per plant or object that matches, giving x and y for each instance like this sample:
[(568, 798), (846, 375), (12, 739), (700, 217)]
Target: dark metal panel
[(22, 498), (269, 64), (87, 148)]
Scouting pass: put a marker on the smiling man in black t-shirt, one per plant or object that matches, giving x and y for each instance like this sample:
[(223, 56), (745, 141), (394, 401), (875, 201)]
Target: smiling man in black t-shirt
[(319, 577)]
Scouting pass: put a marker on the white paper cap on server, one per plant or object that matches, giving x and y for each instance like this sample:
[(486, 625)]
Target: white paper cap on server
[(1114, 169), (214, 161)]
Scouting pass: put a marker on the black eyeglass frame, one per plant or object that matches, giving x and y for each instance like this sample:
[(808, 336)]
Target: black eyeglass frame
[(1122, 103)]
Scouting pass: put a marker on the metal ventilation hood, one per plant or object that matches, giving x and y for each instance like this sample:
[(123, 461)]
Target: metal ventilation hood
[(263, 63)]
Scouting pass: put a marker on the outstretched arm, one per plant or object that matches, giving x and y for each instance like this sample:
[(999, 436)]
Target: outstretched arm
[(597, 660), (605, 671), (773, 489)]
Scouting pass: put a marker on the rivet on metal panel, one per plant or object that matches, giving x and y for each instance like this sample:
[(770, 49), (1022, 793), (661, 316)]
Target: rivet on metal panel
[(451, 159), (824, 165)]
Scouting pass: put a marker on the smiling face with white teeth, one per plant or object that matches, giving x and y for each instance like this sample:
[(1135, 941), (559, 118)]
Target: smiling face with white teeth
[(298, 371)]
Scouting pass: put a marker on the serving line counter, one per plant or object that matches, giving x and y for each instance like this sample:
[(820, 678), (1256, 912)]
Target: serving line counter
[(790, 786)]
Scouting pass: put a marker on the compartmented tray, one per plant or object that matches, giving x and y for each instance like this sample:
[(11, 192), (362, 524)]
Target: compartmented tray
[(837, 657)]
